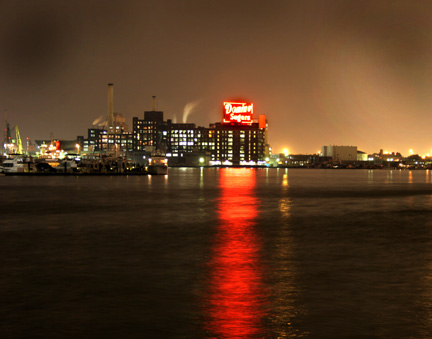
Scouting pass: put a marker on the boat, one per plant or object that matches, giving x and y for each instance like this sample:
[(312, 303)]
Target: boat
[(66, 166), (158, 165), (12, 165)]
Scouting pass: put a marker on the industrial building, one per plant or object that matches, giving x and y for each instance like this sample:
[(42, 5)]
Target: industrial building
[(237, 140), (237, 144), (340, 154)]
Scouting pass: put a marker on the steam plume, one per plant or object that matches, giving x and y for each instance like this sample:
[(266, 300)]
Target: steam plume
[(190, 106)]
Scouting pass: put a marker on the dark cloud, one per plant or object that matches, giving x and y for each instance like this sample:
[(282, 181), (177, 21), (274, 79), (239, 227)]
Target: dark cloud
[(35, 43)]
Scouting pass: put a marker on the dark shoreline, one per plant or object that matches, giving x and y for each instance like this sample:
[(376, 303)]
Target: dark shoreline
[(77, 174)]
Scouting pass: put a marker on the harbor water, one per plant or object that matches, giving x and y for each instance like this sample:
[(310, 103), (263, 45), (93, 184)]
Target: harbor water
[(218, 253)]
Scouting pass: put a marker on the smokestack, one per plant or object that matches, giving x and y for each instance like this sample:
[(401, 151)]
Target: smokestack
[(110, 105), (154, 103)]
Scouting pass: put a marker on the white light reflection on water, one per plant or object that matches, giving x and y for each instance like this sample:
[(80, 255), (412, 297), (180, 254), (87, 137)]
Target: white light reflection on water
[(389, 177), (282, 270), (284, 309), (370, 177)]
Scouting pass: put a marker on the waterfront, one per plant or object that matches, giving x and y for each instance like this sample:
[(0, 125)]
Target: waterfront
[(225, 253)]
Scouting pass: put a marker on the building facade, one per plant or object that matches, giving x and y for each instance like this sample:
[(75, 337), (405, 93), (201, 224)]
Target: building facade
[(340, 153), (149, 133), (236, 140), (239, 144), (99, 140)]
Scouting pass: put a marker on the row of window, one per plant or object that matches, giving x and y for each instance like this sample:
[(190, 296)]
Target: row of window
[(145, 134)]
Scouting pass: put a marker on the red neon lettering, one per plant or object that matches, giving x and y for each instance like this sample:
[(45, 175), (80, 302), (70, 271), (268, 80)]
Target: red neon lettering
[(239, 117), (231, 107), (238, 112)]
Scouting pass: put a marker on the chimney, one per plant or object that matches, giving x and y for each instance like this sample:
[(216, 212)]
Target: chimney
[(110, 105), (154, 103)]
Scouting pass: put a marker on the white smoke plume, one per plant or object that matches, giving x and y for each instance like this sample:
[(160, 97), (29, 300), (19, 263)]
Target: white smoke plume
[(190, 106), (100, 121)]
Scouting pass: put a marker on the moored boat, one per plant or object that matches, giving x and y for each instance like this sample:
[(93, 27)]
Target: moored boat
[(158, 165), (13, 165)]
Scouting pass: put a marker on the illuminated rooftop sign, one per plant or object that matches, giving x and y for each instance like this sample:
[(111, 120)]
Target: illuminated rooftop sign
[(237, 113)]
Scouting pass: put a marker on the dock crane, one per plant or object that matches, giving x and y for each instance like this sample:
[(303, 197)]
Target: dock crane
[(18, 141)]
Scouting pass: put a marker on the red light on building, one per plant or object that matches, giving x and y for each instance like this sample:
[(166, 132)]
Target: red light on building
[(262, 121), (237, 113)]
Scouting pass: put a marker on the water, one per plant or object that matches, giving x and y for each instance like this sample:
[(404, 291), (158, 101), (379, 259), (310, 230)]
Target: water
[(208, 253)]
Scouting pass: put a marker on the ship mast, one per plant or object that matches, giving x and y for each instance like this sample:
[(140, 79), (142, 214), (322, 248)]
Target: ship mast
[(4, 133), (7, 135)]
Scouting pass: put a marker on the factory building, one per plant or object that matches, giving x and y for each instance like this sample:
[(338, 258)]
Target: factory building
[(99, 140), (93, 142), (340, 153), (110, 135), (238, 139), (149, 134), (239, 144), (185, 138)]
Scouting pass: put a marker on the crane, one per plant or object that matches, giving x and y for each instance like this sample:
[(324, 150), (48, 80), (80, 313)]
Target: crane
[(18, 140)]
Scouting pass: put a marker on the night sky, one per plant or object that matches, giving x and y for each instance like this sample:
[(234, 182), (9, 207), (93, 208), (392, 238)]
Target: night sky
[(324, 72)]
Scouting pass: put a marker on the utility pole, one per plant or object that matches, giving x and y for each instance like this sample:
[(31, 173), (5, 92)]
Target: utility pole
[(4, 133)]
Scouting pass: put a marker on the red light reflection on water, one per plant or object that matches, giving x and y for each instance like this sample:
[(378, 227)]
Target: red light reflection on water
[(235, 303)]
